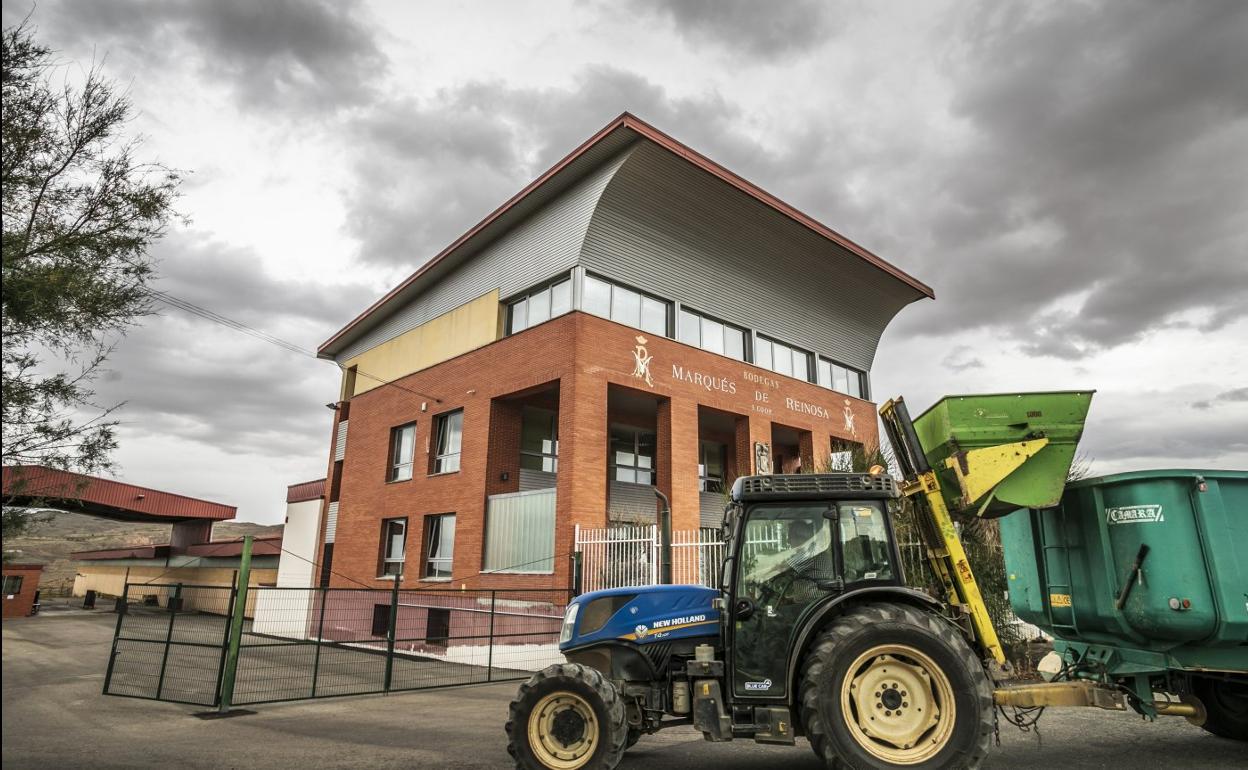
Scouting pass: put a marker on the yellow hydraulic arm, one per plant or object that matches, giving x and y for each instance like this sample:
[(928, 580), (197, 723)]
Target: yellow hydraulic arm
[(976, 470)]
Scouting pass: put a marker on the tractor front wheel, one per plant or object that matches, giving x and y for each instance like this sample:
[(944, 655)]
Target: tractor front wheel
[(567, 717), (889, 685)]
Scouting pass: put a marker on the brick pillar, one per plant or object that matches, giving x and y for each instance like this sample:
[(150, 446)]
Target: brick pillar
[(677, 423), (503, 453), (581, 486), (806, 449), (750, 430)]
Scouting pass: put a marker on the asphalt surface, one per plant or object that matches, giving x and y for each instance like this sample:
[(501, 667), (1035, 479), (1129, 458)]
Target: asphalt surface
[(55, 716)]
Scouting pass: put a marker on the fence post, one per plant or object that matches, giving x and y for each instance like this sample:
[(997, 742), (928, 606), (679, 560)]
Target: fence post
[(174, 605), (320, 635), (578, 571), (654, 555), (394, 619), (121, 614), (236, 628), (489, 661)]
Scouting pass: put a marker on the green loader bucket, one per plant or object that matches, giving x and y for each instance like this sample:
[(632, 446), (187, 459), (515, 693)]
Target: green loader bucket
[(957, 425)]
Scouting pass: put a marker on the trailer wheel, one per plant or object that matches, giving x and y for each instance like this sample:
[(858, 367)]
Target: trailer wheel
[(1226, 707), (567, 717), (889, 685)]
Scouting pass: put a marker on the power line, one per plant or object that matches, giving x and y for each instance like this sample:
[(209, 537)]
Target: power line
[(251, 331)]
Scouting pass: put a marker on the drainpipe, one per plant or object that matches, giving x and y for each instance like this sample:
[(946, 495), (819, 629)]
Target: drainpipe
[(665, 538)]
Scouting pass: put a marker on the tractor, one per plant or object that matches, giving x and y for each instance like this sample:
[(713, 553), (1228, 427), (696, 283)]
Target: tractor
[(813, 630)]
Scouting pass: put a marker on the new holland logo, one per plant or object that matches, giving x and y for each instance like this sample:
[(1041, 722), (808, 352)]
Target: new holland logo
[(1134, 514), (641, 631)]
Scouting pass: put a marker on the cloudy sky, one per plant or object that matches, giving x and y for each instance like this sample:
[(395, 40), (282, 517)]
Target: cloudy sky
[(1069, 177)]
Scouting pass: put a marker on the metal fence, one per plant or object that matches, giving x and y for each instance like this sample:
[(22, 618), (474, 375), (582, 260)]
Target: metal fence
[(172, 641)]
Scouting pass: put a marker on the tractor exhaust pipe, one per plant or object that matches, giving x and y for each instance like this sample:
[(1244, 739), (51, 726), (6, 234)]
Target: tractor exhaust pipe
[(665, 538)]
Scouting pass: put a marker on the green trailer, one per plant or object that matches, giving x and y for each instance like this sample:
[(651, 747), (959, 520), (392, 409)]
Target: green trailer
[(1140, 578)]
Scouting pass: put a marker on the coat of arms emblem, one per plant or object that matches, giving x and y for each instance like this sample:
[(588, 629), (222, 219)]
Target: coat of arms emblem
[(641, 361)]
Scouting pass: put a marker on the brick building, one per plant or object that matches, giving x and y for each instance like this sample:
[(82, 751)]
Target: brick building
[(638, 317), (21, 587)]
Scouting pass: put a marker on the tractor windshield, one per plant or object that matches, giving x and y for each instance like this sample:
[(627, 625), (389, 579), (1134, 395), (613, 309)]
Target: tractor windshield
[(864, 542)]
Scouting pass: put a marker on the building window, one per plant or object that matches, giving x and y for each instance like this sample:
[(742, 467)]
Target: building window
[(402, 452), (696, 329), (632, 454), (12, 585), (449, 430), (711, 466), (439, 546), (393, 546), (539, 306), (625, 306), (782, 359), (841, 378), (842, 457), (539, 440), (437, 626)]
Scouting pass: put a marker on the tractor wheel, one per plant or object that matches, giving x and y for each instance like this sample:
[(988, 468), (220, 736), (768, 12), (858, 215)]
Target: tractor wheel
[(567, 717), (889, 685), (1226, 706)]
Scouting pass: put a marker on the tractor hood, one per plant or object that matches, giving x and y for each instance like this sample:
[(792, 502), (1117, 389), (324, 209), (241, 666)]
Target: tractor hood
[(640, 615)]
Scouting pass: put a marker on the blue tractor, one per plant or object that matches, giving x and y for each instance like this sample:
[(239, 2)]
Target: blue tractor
[(812, 633)]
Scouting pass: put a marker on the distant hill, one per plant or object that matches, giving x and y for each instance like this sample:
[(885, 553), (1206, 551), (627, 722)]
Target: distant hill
[(51, 542)]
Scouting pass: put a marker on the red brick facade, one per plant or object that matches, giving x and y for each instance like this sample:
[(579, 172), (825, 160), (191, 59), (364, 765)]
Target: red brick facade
[(572, 362), (20, 603)]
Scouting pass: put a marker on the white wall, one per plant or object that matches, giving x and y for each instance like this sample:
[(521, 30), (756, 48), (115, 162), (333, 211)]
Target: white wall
[(285, 613), (296, 569)]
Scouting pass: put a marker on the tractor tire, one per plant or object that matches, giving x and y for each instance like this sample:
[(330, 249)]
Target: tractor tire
[(888, 686), (1226, 707), (567, 717)]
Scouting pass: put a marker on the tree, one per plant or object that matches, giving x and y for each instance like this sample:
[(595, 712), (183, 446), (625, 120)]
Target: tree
[(80, 213)]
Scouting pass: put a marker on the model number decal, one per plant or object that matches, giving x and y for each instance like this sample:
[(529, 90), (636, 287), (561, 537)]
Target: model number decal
[(1134, 514), (763, 685)]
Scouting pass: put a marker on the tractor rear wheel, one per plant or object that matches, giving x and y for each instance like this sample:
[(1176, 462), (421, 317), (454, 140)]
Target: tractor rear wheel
[(1226, 707), (567, 717), (889, 685)]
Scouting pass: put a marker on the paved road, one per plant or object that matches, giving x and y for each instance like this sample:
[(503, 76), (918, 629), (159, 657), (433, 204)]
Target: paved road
[(54, 716)]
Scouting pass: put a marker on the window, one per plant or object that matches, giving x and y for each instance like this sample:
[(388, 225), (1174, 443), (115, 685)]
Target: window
[(864, 542), (632, 454), (12, 585), (711, 466), (539, 440), (437, 626), (393, 546), (624, 306), (439, 546), (402, 452), (842, 457), (381, 621), (539, 306), (841, 378), (449, 429), (717, 337), (782, 359), (520, 533)]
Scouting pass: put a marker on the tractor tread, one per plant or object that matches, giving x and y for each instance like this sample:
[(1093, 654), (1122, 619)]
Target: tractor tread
[(822, 653), (616, 721)]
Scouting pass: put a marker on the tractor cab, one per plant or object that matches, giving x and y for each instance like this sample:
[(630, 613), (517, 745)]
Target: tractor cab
[(797, 543)]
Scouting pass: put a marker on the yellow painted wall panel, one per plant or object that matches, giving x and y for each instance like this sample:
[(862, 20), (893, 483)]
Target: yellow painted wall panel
[(467, 327)]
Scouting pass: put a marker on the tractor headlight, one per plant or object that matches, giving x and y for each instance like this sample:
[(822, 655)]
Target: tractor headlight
[(569, 623)]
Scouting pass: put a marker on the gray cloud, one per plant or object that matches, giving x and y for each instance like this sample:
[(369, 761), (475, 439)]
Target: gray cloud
[(317, 55), (1098, 175), (961, 360), (185, 377), (426, 171), (1116, 435), (764, 30), (1236, 395)]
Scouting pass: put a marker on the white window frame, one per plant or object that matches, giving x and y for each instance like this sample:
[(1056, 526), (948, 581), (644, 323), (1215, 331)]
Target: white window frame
[(397, 467), (430, 560), (443, 458), (387, 541)]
